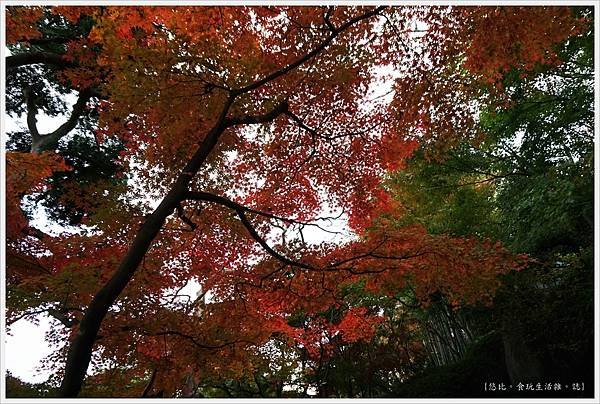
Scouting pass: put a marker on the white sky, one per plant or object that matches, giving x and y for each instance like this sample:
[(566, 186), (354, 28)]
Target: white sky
[(25, 347)]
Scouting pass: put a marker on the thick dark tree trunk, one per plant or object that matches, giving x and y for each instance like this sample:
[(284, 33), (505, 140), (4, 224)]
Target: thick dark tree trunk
[(80, 351)]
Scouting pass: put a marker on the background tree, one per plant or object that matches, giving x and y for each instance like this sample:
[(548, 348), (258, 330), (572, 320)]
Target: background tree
[(528, 184)]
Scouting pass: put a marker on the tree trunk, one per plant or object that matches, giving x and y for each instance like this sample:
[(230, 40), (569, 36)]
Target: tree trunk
[(80, 351)]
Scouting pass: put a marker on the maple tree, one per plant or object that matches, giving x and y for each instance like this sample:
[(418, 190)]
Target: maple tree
[(243, 122)]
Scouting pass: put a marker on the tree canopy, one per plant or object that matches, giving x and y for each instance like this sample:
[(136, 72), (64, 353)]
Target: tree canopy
[(203, 145)]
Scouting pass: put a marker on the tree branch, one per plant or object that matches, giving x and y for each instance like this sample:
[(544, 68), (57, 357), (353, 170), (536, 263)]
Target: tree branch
[(185, 219), (13, 259), (50, 140), (150, 384), (31, 113), (199, 344), (313, 132), (240, 211), (32, 58), (208, 197), (327, 19), (279, 109), (58, 313), (80, 351), (61, 315), (334, 33), (11, 321), (263, 243)]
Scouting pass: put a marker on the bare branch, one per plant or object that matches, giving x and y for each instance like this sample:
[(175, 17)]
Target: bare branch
[(208, 197), (11, 321), (263, 243), (328, 136), (60, 314), (240, 210)]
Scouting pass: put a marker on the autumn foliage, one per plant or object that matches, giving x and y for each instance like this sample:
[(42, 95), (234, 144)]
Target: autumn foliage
[(244, 123)]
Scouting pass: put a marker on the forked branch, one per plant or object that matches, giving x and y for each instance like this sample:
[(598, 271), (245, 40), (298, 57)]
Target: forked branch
[(42, 142)]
